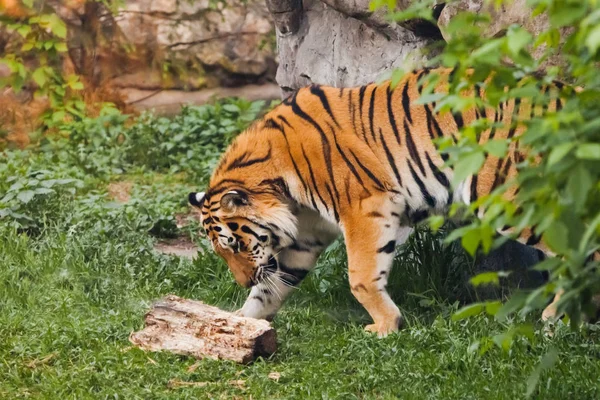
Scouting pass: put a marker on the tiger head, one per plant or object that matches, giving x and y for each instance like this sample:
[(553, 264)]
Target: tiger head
[(247, 230)]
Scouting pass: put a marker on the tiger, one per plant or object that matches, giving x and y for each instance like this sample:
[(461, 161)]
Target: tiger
[(358, 162)]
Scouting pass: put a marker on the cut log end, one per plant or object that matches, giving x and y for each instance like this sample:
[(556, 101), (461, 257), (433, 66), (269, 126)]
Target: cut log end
[(190, 327)]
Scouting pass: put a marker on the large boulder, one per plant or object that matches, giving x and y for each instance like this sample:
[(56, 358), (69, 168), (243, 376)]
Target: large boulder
[(341, 44), (198, 44)]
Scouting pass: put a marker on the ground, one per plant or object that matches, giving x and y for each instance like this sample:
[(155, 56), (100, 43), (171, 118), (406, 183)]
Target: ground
[(80, 267)]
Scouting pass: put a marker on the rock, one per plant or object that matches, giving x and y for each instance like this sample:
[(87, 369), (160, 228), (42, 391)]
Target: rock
[(333, 48), (205, 46), (515, 12)]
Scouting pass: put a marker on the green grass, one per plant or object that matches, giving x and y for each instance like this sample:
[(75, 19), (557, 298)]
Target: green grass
[(76, 281), (70, 300)]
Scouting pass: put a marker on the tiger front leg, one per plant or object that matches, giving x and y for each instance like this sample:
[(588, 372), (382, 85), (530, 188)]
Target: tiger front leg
[(370, 249), (264, 300), (294, 263)]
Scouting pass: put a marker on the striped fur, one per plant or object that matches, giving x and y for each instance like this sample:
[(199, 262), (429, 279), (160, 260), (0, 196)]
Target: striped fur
[(360, 162)]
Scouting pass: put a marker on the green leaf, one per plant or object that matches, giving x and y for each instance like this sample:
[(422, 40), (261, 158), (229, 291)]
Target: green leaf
[(496, 147), (470, 241), (514, 303), (76, 85), (61, 47), (467, 165), (492, 307), (504, 340), (43, 190), (485, 278), (559, 152), (468, 311), (39, 76), (58, 116), (436, 222), (57, 26), (547, 361), (24, 30), (588, 151), (593, 39), (517, 39), (556, 238), (25, 196), (578, 186), (397, 75)]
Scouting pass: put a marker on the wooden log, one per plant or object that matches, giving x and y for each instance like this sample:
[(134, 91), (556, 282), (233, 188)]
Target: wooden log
[(193, 328)]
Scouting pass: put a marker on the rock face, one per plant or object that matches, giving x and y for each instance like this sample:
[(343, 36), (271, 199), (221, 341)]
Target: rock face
[(226, 45), (333, 48)]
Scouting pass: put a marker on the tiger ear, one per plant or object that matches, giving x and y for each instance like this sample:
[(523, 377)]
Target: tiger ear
[(196, 199), (232, 200)]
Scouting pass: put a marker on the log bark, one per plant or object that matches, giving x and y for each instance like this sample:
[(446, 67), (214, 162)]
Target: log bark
[(196, 329)]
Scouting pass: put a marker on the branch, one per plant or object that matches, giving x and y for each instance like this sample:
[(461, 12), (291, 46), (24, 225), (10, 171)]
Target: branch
[(209, 39)]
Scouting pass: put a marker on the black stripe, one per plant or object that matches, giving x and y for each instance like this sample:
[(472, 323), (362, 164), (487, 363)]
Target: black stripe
[(293, 276), (271, 124), (218, 189), (368, 172), (258, 298), (390, 159), (314, 181), (352, 111), (317, 91), (347, 161), (285, 121), (371, 112), (426, 195), (406, 102), (515, 118), (361, 98), (391, 114), (277, 185), (480, 111), (324, 142), (412, 149), (388, 248), (297, 170), (249, 231), (496, 181), (473, 188), (432, 123), (297, 247), (458, 120), (439, 175), (533, 240), (243, 162), (347, 189), (336, 215)]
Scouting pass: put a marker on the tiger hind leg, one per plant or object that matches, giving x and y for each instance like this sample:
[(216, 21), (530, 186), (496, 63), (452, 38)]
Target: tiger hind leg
[(550, 313)]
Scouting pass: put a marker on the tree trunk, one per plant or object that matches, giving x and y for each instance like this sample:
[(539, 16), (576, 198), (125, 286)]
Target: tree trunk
[(193, 328)]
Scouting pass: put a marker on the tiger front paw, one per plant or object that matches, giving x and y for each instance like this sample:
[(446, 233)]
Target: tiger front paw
[(385, 328)]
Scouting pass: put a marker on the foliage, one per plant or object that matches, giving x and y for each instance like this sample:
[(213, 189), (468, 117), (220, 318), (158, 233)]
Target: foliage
[(191, 142), (29, 191), (34, 57), (559, 179)]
